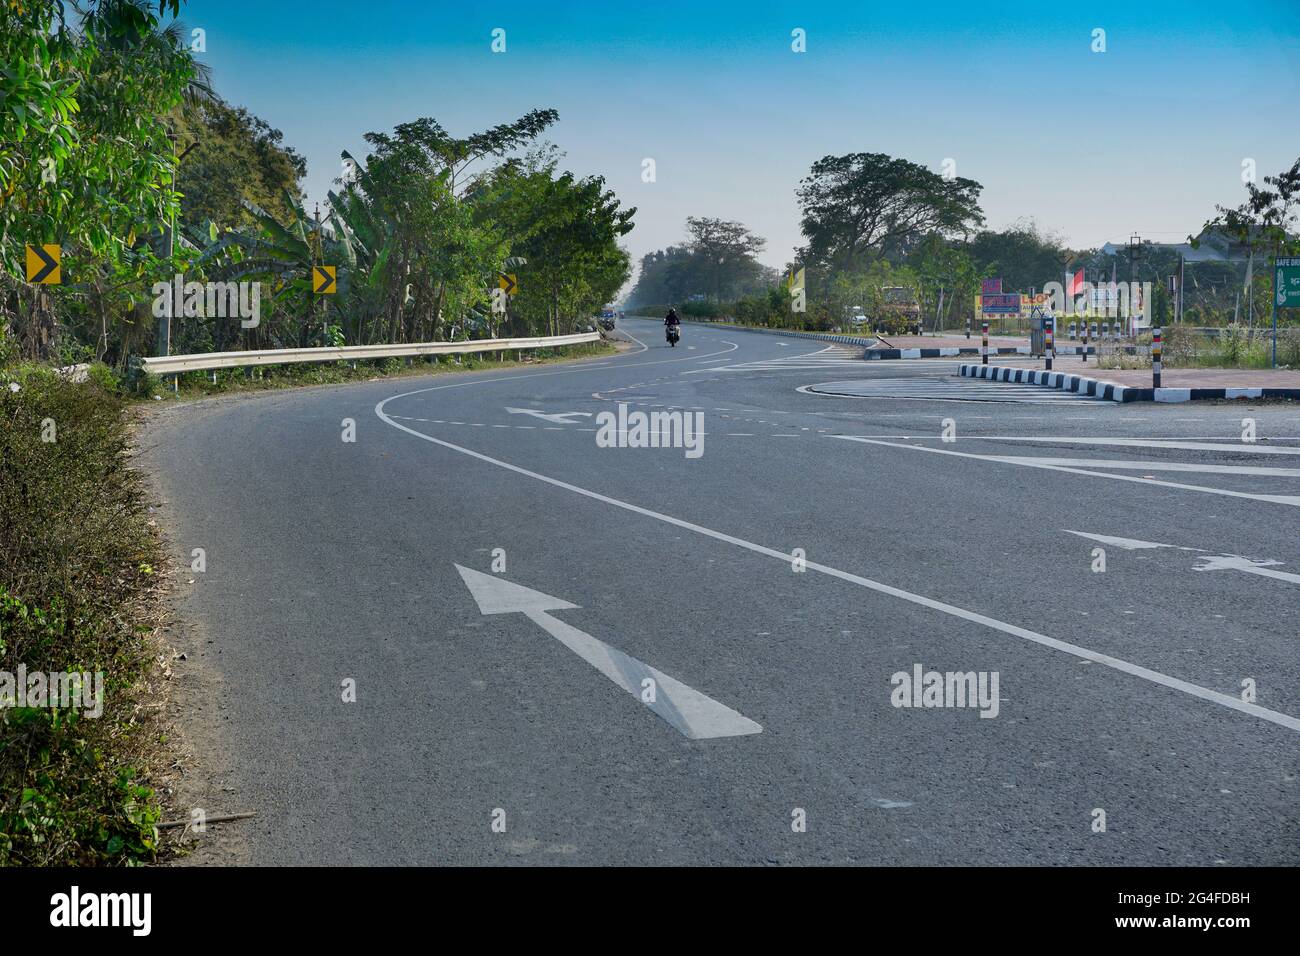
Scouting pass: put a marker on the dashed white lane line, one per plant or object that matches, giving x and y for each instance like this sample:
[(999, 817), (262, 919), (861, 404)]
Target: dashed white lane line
[(1135, 670)]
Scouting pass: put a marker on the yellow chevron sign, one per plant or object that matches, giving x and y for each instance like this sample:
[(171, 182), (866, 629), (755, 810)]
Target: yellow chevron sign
[(43, 264), (323, 280)]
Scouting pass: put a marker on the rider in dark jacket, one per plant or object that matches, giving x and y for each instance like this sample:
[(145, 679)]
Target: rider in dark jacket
[(672, 318)]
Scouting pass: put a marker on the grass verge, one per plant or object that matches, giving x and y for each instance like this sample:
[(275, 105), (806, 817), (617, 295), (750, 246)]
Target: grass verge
[(77, 596)]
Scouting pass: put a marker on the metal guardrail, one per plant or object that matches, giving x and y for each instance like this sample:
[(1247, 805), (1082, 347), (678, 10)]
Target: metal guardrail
[(175, 364), (866, 341)]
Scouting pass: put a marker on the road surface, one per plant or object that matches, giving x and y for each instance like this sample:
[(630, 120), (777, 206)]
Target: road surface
[(565, 653)]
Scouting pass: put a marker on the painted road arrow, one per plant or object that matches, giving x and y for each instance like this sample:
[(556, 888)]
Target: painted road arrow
[(1212, 562), (561, 418), (695, 715)]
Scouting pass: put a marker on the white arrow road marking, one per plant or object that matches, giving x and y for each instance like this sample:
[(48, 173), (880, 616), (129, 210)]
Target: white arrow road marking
[(1135, 670), (560, 418), (1232, 562), (695, 715), (1128, 544), (1213, 562)]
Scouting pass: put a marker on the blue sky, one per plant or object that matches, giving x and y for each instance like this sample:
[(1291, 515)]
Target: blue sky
[(1144, 137)]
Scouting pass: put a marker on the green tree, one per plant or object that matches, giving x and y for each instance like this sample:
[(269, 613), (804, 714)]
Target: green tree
[(237, 159), (859, 205), (85, 159)]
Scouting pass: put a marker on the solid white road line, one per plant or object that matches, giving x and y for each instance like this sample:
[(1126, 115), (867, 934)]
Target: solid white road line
[(1292, 500), (1131, 465), (1126, 667), (1176, 444)]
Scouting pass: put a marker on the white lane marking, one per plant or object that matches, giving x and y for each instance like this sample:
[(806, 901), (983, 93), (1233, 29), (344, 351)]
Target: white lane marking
[(693, 714), (1133, 465), (1176, 444), (1292, 500), (1233, 562), (1128, 544), (1134, 670)]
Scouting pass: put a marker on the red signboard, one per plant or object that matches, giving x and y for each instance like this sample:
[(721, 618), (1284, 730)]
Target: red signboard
[(990, 286)]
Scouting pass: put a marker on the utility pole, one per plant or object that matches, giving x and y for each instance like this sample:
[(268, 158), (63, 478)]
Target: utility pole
[(325, 338), (164, 343), (1134, 249)]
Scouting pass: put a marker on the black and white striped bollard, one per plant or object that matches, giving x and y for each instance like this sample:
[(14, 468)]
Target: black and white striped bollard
[(1155, 358), (984, 349), (1049, 325)]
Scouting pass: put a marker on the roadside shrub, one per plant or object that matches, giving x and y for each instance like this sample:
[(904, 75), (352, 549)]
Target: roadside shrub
[(76, 562)]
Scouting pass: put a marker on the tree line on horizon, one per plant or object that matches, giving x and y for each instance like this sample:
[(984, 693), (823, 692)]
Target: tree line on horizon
[(871, 221)]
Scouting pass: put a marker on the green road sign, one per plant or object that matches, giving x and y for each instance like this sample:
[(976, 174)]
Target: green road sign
[(1286, 282)]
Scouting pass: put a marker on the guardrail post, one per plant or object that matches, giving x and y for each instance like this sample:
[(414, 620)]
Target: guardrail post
[(1155, 358), (984, 349)]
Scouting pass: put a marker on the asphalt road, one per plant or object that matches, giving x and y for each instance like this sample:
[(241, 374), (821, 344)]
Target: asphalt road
[(1118, 690)]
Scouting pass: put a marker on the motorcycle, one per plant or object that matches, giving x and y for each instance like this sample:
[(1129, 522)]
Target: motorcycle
[(674, 333)]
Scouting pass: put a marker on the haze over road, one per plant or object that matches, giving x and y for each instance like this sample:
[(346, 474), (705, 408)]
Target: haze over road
[(1119, 690)]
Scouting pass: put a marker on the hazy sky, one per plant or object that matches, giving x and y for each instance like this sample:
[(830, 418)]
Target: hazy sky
[(1144, 137)]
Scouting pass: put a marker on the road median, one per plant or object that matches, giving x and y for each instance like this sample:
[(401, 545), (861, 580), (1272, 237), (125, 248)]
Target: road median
[(1125, 385)]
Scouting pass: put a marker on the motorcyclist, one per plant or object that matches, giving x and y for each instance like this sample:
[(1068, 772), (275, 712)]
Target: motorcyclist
[(672, 326)]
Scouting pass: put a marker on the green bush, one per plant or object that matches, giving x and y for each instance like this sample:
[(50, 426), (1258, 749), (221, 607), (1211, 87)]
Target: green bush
[(76, 558)]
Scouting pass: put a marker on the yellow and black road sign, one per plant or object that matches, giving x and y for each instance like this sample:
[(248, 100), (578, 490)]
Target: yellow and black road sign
[(507, 281), (43, 264), (323, 280)]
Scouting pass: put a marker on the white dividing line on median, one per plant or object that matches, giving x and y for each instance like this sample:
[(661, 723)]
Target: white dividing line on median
[(1135, 670), (1135, 465), (1292, 500), (1174, 443)]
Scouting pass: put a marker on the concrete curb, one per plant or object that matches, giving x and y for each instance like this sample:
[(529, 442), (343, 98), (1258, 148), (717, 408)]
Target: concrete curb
[(942, 352), (1083, 385)]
